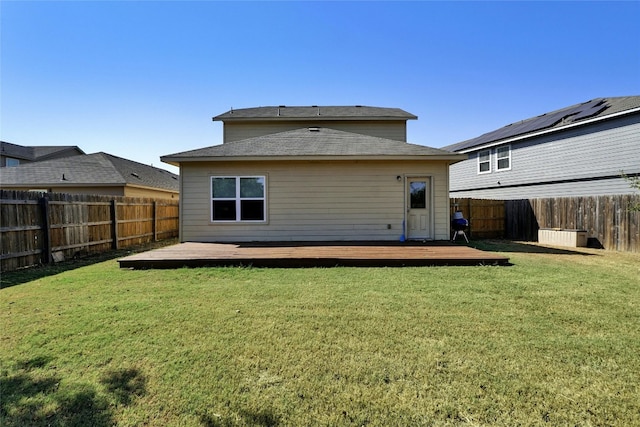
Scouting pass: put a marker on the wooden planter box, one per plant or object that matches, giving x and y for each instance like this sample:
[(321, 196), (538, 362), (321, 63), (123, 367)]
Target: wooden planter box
[(562, 237)]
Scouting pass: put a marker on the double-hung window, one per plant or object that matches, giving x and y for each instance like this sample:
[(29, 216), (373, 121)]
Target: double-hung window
[(238, 199), (484, 161), (503, 158)]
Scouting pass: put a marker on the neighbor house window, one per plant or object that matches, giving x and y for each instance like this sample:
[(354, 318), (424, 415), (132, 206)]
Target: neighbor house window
[(10, 161), (503, 157), (238, 198), (484, 161)]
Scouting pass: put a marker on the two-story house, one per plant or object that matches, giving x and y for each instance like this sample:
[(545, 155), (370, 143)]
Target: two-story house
[(581, 150), (314, 174)]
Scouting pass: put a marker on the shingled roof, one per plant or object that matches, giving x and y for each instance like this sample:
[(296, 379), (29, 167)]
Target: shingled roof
[(37, 153), (87, 170), (313, 142), (575, 115), (282, 112)]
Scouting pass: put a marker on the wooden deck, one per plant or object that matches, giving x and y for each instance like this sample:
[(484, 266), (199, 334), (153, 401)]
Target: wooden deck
[(311, 254)]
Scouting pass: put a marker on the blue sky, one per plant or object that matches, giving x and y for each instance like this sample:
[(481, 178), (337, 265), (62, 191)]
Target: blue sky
[(143, 79)]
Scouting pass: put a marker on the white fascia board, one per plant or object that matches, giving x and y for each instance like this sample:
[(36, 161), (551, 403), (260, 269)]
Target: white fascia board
[(546, 131), (318, 119), (178, 160)]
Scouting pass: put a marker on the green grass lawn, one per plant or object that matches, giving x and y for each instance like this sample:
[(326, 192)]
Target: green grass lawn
[(553, 339)]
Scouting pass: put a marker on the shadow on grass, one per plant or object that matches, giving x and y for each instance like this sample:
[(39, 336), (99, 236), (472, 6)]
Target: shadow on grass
[(125, 385), (25, 275), (520, 247), (32, 396)]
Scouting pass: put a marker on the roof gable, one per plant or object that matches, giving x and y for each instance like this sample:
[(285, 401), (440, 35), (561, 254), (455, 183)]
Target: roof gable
[(16, 151), (356, 112), (38, 153), (135, 173), (307, 143), (599, 108), (46, 151)]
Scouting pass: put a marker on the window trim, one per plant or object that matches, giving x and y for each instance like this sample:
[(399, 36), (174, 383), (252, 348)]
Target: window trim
[(481, 172), (238, 200), (498, 158)]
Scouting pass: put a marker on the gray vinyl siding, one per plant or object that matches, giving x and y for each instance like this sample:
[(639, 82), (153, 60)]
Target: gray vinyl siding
[(560, 164), (315, 201), (591, 188), (390, 129)]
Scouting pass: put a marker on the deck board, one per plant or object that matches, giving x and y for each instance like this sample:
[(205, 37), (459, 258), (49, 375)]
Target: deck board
[(359, 254)]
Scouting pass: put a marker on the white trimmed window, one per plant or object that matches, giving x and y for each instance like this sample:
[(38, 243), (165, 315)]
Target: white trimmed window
[(503, 158), (484, 161), (238, 199)]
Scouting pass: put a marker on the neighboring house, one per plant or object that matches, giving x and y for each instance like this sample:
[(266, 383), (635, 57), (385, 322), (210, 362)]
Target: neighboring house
[(576, 151), (314, 174), (98, 173), (14, 154)]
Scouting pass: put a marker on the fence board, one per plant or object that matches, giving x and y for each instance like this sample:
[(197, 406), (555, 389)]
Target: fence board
[(34, 226), (608, 220), (486, 217)]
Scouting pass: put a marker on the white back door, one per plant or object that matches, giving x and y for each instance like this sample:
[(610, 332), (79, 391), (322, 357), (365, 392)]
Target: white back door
[(418, 208)]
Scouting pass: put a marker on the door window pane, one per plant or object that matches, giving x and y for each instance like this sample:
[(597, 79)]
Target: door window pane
[(418, 191)]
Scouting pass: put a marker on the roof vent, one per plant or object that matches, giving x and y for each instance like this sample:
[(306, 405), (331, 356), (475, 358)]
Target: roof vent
[(314, 129), (135, 174)]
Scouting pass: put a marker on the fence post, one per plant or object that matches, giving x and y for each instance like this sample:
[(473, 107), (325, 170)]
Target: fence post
[(155, 220), (470, 216), (46, 231), (114, 224)]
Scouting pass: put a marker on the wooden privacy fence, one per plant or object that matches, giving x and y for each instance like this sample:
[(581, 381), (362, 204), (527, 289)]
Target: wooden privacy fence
[(486, 217), (40, 228), (608, 220)]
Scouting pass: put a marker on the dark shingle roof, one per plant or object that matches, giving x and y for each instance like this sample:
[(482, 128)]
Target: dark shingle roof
[(356, 112), (16, 151), (310, 142), (45, 151), (36, 153), (87, 170), (599, 108)]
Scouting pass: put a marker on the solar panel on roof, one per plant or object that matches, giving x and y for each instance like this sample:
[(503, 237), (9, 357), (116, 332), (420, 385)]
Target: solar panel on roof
[(545, 121), (595, 107)]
